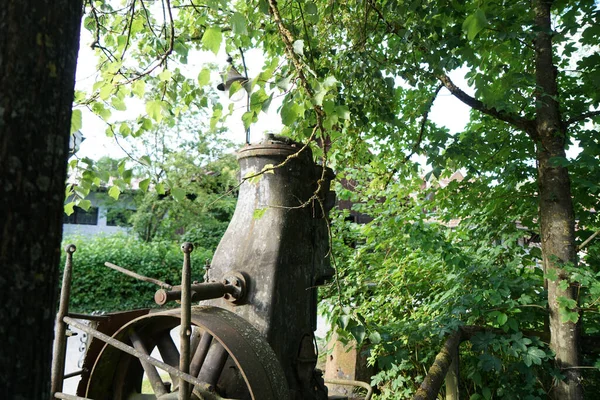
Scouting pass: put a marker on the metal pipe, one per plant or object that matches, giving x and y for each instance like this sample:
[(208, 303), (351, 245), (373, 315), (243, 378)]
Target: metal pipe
[(60, 339), (130, 350), (198, 292), (347, 382), (138, 276), (185, 330)]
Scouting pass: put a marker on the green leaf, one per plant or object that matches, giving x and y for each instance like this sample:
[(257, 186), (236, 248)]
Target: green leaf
[(238, 24), (358, 332), (165, 75), (299, 47), (160, 188), (502, 318), (139, 88), (212, 39), (146, 160), (259, 212), (311, 8), (114, 192), (290, 112), (344, 320), (247, 118), (144, 184), (85, 204), (474, 24), (118, 104), (154, 110), (76, 121), (178, 194), (374, 337), (204, 77), (69, 208)]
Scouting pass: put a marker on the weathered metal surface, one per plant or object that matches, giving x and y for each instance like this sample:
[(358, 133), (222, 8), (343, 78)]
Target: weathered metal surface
[(60, 338), (117, 374), (107, 324), (232, 289), (185, 329), (278, 237)]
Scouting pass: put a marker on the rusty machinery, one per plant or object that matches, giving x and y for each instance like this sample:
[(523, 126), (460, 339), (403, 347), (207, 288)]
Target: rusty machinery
[(252, 334)]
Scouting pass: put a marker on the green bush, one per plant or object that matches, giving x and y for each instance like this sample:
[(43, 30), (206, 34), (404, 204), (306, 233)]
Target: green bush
[(96, 287)]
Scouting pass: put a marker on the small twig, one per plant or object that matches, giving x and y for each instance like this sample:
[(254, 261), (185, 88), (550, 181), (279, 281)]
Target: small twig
[(587, 241)]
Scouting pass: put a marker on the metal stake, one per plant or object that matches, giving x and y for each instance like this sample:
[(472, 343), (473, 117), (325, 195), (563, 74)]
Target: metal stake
[(60, 339)]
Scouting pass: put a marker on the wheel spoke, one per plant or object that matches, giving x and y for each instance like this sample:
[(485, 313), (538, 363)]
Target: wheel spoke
[(200, 354), (215, 362), (169, 353), (155, 380)]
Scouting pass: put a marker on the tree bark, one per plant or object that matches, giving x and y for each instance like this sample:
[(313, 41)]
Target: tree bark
[(557, 221), (437, 372), (39, 41)]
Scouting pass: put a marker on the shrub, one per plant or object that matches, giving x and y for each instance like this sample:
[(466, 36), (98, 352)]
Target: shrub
[(96, 287)]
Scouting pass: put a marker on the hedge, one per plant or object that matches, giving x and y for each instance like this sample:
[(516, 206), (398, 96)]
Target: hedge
[(97, 288)]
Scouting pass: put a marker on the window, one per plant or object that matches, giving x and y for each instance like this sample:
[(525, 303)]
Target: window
[(82, 217)]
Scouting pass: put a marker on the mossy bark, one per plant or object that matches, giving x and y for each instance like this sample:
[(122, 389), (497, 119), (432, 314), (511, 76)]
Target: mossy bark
[(437, 372)]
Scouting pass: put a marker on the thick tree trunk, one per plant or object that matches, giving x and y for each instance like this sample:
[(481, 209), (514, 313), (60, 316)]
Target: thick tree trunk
[(556, 207), (38, 52)]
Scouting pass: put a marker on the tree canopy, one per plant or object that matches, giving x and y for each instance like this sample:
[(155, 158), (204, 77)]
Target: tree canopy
[(358, 79)]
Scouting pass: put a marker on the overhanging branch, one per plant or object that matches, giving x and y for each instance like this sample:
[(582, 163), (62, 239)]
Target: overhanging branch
[(582, 117), (515, 120)]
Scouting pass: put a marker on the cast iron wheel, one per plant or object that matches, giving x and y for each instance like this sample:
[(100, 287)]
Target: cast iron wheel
[(227, 354)]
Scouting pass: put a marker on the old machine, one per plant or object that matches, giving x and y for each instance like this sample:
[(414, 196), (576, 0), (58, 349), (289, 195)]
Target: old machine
[(250, 332)]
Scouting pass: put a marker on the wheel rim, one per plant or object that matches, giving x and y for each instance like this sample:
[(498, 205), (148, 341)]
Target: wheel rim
[(229, 356)]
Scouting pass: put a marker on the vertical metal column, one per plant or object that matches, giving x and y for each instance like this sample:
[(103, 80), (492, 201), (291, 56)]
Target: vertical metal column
[(185, 330), (60, 327)]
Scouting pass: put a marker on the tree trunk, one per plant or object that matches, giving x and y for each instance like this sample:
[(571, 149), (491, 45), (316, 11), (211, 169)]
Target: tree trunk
[(39, 42), (556, 208)]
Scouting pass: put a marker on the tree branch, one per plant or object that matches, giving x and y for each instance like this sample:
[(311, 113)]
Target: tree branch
[(515, 120), (587, 241), (582, 117)]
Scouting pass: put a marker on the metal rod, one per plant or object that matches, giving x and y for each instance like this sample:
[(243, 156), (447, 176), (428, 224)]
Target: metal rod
[(130, 350), (155, 380), (88, 317), (138, 276), (60, 339), (65, 396), (185, 330), (347, 382), (72, 374), (198, 292)]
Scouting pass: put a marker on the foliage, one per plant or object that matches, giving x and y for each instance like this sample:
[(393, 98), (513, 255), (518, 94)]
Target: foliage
[(97, 288), (362, 77), (198, 205)]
